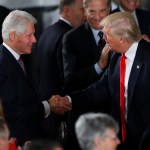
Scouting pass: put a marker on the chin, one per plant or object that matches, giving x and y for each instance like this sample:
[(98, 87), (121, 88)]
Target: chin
[(28, 52)]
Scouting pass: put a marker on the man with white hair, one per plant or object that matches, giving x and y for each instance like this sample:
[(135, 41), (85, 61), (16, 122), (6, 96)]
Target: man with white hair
[(97, 131), (23, 110)]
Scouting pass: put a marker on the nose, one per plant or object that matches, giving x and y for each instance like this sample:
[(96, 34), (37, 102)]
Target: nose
[(97, 16), (33, 39)]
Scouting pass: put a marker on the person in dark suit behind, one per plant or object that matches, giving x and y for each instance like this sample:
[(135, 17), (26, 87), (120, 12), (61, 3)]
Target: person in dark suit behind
[(44, 144), (81, 53), (99, 130), (141, 16), (49, 56), (4, 12), (83, 59), (50, 46), (124, 37), (23, 109)]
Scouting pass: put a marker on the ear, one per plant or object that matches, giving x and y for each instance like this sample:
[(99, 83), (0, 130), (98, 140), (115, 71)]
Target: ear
[(97, 143), (122, 40), (12, 36), (67, 11)]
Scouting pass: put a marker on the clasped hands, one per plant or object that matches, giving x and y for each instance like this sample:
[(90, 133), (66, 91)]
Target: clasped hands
[(59, 105)]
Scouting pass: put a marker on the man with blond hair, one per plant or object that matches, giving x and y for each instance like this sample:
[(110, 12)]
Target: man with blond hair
[(125, 84)]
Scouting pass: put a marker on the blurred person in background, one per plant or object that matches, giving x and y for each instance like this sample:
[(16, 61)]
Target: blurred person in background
[(84, 59), (141, 16), (97, 131), (44, 144), (49, 58)]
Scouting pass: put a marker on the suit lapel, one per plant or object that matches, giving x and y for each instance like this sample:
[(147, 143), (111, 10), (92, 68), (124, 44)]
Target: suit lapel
[(135, 72), (91, 38), (14, 62)]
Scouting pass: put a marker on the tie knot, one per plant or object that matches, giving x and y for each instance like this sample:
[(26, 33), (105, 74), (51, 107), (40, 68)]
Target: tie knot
[(20, 60), (123, 56), (100, 34)]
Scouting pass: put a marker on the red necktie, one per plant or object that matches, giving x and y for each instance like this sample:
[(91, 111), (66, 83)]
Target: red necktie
[(122, 98)]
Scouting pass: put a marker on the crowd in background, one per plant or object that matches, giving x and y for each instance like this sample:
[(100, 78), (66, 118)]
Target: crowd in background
[(54, 72)]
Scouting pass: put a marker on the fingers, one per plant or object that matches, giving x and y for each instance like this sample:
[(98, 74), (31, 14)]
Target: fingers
[(106, 50), (13, 140), (63, 105), (146, 38), (59, 105), (104, 58)]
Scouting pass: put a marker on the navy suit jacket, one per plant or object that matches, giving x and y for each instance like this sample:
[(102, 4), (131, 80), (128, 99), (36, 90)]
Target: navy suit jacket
[(107, 89), (23, 112), (50, 59), (80, 53), (50, 67), (143, 20)]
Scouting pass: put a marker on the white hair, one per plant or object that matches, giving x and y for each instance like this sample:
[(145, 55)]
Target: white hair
[(92, 125), (16, 21)]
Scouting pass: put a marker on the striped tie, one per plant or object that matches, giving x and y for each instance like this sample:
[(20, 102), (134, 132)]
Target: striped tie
[(20, 61)]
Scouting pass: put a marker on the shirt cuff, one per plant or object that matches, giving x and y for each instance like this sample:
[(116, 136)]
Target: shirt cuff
[(69, 98), (97, 69), (46, 108)]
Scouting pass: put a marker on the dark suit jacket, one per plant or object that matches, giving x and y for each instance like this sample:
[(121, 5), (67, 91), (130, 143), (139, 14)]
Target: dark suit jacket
[(80, 53), (107, 89), (143, 20), (50, 59), (23, 112), (51, 68)]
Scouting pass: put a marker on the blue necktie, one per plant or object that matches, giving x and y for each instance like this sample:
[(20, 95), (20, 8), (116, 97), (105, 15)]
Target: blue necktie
[(101, 42)]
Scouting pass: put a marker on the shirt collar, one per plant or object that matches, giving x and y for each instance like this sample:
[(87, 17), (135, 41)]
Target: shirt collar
[(63, 19), (16, 55), (130, 54), (95, 33)]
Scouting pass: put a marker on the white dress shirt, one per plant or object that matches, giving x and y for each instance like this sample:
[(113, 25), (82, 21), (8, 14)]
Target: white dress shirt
[(97, 38), (130, 55), (63, 19)]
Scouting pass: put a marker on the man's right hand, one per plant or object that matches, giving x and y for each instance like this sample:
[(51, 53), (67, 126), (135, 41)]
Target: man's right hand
[(104, 58), (59, 105)]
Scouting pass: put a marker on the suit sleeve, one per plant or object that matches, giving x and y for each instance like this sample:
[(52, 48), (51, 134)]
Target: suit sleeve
[(93, 97)]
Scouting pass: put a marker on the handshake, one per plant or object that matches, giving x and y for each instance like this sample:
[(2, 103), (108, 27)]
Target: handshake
[(59, 105)]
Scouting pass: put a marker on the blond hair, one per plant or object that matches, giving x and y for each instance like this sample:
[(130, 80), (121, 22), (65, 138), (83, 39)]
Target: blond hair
[(123, 24)]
